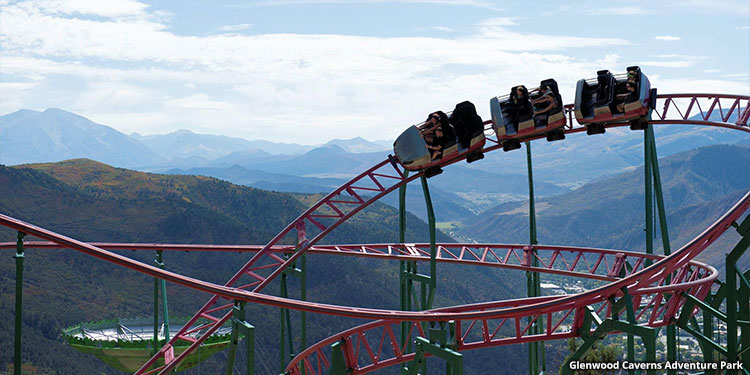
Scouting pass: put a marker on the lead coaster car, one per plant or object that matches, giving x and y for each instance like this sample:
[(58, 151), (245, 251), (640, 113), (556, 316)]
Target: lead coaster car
[(597, 100), (515, 118), (463, 135)]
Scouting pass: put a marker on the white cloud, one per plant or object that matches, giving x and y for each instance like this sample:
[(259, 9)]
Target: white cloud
[(728, 6), (474, 3), (113, 94), (674, 60), (499, 22), (17, 86), (667, 38), (620, 11), (743, 27), (238, 27), (680, 56), (669, 64), (442, 28), (300, 88), (200, 102), (745, 75), (712, 71), (109, 8)]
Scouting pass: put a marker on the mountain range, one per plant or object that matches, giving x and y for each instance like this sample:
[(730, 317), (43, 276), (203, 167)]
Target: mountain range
[(698, 186), (96, 202), (91, 201), (461, 191)]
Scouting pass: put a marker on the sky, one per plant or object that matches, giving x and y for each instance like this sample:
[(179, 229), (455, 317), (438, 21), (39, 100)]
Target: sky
[(308, 71)]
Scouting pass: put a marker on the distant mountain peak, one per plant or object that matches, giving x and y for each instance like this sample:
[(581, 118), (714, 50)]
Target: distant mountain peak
[(183, 131), (356, 145), (23, 111)]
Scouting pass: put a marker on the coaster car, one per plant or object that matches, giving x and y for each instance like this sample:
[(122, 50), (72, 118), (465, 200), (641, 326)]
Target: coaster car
[(609, 98), (440, 138), (523, 114)]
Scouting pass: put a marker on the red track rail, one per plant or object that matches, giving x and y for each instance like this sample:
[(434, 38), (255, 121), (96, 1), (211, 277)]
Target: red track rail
[(646, 283), (597, 264), (349, 199), (330, 208)]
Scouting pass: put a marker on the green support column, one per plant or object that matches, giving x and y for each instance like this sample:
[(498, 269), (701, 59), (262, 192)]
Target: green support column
[(285, 322), (743, 297), (533, 281), (708, 331), (338, 362), (731, 303), (164, 305), (737, 319), (433, 247), (651, 144), (402, 264), (240, 325), (19, 303), (649, 190), (286, 342), (156, 318), (412, 299), (443, 344)]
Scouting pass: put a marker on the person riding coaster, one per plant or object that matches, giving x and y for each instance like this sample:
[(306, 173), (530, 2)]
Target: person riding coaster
[(440, 138), (610, 98), (524, 113)]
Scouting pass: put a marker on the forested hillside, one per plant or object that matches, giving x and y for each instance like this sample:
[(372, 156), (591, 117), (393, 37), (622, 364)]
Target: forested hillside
[(91, 201), (699, 186)]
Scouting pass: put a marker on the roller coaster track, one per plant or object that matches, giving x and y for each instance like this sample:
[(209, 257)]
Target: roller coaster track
[(646, 285), (598, 264)]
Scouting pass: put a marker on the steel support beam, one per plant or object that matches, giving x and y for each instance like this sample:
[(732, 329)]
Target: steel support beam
[(19, 303), (165, 307), (408, 271), (441, 344), (286, 341), (403, 292), (735, 298), (651, 143), (433, 246), (240, 326), (533, 282), (338, 361)]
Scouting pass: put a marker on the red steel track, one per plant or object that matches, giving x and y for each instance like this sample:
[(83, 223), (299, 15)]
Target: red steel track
[(479, 324)]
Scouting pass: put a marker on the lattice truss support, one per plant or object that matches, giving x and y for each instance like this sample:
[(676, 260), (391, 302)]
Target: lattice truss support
[(733, 296), (263, 267)]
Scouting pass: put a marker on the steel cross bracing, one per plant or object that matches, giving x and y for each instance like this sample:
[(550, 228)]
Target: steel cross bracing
[(374, 345), (598, 264), (645, 285), (324, 216), (652, 299)]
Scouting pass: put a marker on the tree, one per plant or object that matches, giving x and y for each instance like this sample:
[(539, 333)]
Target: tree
[(597, 354)]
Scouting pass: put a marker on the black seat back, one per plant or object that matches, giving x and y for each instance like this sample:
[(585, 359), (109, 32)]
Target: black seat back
[(449, 134), (466, 123), (606, 85)]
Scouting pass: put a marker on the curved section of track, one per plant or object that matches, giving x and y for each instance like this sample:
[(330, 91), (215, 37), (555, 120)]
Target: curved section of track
[(647, 285), (384, 177), (590, 263)]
